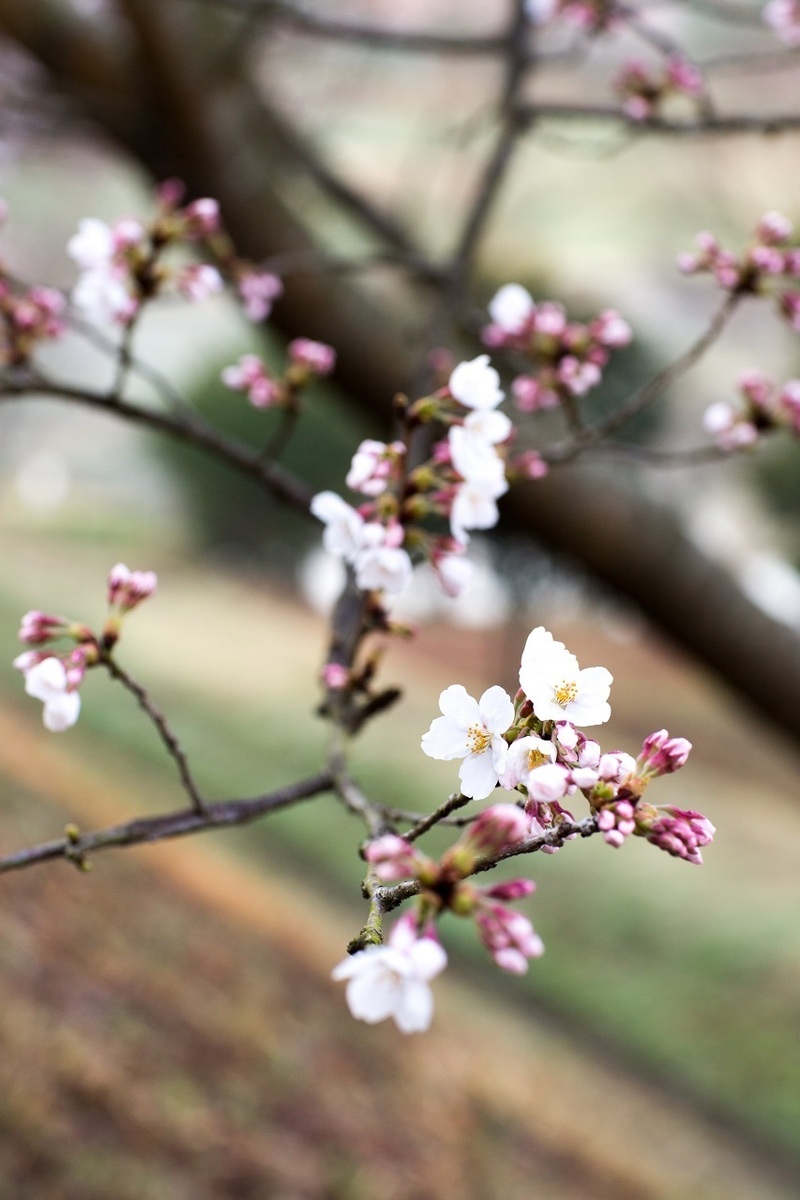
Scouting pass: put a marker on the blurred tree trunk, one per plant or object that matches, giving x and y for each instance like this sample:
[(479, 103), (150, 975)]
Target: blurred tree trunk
[(159, 86)]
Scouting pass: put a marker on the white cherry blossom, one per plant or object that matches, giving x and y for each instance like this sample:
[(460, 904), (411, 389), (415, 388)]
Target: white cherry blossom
[(512, 307), (473, 730), (344, 526), (475, 459), (526, 754), (47, 681), (475, 384), (474, 506), (393, 980), (556, 686)]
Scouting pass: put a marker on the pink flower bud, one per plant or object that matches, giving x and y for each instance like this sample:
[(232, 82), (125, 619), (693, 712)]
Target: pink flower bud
[(392, 858), (335, 676), (128, 588), (315, 356), (258, 290), (202, 218), (661, 754), (494, 830)]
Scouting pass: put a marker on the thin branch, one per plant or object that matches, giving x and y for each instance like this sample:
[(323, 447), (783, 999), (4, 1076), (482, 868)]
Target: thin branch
[(392, 896), (187, 427), (650, 391), (168, 737), (707, 126), (76, 846), (450, 805)]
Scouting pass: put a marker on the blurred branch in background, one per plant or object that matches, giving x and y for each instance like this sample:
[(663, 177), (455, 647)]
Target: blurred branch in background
[(178, 87)]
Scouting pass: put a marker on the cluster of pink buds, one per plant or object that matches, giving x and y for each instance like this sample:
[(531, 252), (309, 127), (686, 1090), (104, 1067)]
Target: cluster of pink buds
[(567, 357), (783, 16), (251, 375), (27, 318), (680, 831), (307, 360), (765, 408), (767, 267), (506, 933), (643, 90), (258, 291), (122, 264), (54, 676)]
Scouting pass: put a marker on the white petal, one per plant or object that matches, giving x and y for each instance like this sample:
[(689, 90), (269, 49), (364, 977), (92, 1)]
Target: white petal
[(414, 1012), (373, 996), (61, 712), (427, 957), (497, 709), (47, 679), (456, 702), (478, 776), (445, 739)]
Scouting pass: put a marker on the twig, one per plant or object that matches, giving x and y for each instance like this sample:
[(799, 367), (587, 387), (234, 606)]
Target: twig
[(226, 813), (650, 391), (168, 737), (188, 427)]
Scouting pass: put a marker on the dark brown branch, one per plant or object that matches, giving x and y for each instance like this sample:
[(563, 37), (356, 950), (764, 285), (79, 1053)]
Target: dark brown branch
[(224, 814)]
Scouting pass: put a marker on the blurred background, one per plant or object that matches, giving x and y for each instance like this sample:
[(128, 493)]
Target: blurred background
[(169, 1026)]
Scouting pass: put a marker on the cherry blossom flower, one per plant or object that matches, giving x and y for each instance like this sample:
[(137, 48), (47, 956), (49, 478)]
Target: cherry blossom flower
[(475, 384), (394, 980), (525, 755), (343, 525), (475, 457), (474, 506), (556, 686), (473, 730), (371, 467), (511, 308), (47, 680)]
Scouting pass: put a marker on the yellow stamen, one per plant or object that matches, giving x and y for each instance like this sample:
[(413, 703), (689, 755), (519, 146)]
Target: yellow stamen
[(536, 759), (566, 692), (477, 738)]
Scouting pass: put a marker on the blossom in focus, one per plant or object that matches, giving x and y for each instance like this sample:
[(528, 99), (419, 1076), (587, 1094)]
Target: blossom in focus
[(508, 935), (556, 686), (394, 980), (47, 680), (526, 754), (681, 832), (473, 730), (475, 384)]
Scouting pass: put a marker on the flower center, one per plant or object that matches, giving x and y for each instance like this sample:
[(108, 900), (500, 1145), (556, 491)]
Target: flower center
[(566, 691), (536, 759), (478, 739)]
